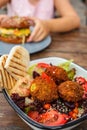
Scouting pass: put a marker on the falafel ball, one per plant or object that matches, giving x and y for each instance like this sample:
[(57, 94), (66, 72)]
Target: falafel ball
[(43, 89), (70, 91), (58, 74)]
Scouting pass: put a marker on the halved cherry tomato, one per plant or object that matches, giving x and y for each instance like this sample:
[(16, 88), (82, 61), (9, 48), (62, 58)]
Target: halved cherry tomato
[(53, 118), (45, 76), (34, 115), (43, 65)]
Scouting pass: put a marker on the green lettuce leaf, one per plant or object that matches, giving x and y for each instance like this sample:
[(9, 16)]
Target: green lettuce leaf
[(33, 68), (66, 66)]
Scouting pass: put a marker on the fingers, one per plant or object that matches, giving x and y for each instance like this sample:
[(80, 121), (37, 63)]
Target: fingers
[(3, 16), (37, 35), (40, 31), (32, 36), (40, 37)]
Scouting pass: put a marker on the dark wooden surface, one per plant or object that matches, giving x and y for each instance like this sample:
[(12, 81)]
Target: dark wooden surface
[(72, 45)]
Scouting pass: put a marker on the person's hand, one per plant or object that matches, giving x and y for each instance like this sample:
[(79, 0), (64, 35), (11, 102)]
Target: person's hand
[(40, 30), (3, 16)]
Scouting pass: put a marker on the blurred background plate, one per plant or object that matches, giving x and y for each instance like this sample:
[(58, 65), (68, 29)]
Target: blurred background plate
[(31, 47)]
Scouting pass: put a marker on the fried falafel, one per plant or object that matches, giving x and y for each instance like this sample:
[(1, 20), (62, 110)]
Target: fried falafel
[(70, 91), (43, 90), (58, 74)]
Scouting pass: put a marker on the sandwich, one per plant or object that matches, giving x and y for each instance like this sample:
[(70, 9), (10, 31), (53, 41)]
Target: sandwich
[(17, 62), (15, 29)]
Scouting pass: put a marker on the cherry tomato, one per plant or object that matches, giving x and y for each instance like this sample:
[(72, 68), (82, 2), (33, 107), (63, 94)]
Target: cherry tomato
[(33, 114), (47, 106), (43, 65), (45, 76), (53, 118)]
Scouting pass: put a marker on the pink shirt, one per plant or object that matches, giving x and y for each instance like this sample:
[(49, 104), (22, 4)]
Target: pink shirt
[(43, 10)]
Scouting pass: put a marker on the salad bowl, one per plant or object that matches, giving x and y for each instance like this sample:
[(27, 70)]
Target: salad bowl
[(34, 124)]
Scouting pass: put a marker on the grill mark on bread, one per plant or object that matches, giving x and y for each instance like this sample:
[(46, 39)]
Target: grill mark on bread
[(17, 65), (14, 74), (1, 79), (7, 80), (12, 81), (17, 61), (19, 75), (18, 55), (21, 53), (17, 72), (3, 75)]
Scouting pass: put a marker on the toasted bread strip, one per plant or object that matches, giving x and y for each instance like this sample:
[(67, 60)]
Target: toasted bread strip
[(1, 83), (6, 80), (17, 62)]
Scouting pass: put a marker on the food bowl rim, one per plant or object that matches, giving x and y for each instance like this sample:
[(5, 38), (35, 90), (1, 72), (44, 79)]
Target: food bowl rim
[(30, 121)]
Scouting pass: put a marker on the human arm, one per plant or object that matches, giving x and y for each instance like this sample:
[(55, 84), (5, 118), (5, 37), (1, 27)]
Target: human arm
[(3, 3), (68, 20)]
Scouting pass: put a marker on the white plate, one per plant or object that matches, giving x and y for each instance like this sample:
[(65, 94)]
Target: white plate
[(31, 47)]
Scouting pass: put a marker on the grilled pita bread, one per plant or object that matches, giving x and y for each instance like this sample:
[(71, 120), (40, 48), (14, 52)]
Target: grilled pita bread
[(17, 62), (6, 80), (1, 83)]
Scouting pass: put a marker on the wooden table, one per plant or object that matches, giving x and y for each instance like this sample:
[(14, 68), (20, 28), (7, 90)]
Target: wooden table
[(72, 45)]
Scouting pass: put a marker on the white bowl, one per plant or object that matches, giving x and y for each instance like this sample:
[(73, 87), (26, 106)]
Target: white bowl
[(35, 125)]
